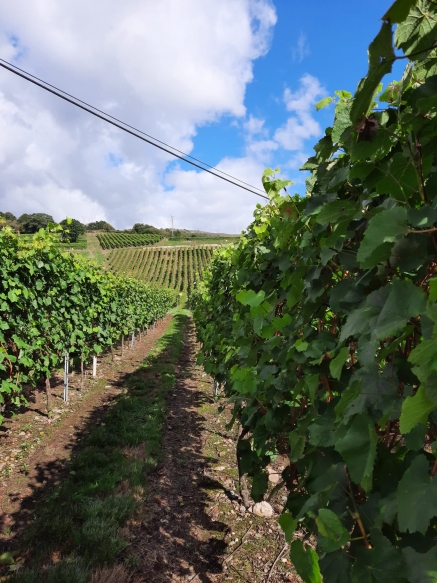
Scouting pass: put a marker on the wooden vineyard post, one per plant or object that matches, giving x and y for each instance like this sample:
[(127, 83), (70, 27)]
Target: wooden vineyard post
[(244, 490), (112, 353), (81, 372), (48, 389), (122, 344)]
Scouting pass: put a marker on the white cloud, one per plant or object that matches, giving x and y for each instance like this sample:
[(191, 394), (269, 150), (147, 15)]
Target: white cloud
[(302, 125), (58, 202), (166, 67), (261, 149), (203, 196), (297, 161), (301, 50), (254, 125), (303, 100)]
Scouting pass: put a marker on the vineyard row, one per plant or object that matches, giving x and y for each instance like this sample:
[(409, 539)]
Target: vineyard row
[(176, 267), (118, 240), (53, 302)]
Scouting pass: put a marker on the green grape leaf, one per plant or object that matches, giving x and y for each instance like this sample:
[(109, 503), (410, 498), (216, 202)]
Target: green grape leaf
[(336, 365), (297, 444), (381, 56), (288, 525), (305, 561), (342, 120), (336, 567), (331, 528), (250, 298), (323, 103), (404, 301), (380, 564), (348, 396), (417, 497), (356, 443), (386, 227), (260, 484), (424, 357), (398, 11), (421, 567), (418, 31), (415, 438), (400, 180), (415, 410), (333, 211)]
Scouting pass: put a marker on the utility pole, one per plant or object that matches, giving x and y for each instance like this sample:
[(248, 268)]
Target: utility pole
[(171, 226)]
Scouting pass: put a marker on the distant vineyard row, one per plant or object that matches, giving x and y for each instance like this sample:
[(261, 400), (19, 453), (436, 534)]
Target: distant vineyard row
[(117, 240), (177, 268)]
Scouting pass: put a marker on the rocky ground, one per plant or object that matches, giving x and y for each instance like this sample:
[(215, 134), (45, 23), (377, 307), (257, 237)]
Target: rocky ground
[(191, 526)]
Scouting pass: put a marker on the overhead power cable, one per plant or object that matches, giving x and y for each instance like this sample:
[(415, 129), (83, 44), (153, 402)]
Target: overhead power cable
[(131, 129)]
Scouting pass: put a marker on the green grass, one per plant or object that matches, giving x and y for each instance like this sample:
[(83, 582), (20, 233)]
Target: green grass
[(197, 241), (93, 249), (81, 243), (81, 519)]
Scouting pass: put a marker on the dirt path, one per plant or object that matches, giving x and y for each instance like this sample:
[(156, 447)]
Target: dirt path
[(35, 447), (193, 527)]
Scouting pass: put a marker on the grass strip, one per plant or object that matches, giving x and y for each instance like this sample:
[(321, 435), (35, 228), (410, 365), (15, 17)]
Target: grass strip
[(79, 525)]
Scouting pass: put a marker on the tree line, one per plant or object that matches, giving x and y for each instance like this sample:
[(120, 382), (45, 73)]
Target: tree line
[(28, 224)]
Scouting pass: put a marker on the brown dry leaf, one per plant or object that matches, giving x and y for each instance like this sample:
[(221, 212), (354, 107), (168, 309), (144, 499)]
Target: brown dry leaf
[(116, 574), (123, 487), (55, 557)]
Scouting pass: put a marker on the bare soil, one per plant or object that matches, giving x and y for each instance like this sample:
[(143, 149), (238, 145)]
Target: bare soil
[(35, 446), (193, 526)]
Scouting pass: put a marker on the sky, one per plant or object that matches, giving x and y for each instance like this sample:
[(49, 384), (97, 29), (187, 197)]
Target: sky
[(233, 83)]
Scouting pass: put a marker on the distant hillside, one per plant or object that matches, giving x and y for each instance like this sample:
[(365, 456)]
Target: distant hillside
[(141, 228), (175, 267)]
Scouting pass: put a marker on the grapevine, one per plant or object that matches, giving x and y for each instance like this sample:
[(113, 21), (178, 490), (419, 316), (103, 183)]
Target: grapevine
[(53, 302), (117, 240), (321, 323)]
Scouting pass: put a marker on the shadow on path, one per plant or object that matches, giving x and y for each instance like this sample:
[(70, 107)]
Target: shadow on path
[(170, 534), (176, 536)]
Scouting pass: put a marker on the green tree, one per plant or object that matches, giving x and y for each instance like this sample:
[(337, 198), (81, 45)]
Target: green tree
[(143, 229), (99, 226), (22, 218), (8, 216), (34, 222), (71, 230)]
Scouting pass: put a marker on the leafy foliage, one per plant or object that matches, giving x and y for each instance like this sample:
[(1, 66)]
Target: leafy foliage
[(99, 226), (176, 268), (8, 216), (71, 230), (52, 302), (117, 240), (30, 224), (322, 324)]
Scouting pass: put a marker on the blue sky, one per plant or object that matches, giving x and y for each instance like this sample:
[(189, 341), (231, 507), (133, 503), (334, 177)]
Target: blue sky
[(328, 41), (231, 82)]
